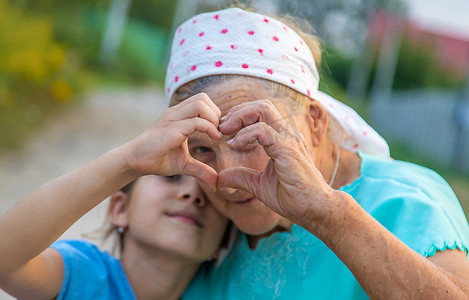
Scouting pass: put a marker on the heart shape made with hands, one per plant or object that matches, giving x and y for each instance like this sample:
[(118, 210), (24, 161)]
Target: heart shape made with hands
[(256, 123)]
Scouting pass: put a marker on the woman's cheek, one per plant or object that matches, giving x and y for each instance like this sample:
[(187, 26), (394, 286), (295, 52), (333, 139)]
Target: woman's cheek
[(218, 202)]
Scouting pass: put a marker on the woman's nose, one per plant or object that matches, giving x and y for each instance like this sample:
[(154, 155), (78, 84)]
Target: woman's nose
[(190, 191)]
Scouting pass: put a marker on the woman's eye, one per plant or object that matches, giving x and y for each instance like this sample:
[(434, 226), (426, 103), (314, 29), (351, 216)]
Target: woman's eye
[(200, 150), (201, 153)]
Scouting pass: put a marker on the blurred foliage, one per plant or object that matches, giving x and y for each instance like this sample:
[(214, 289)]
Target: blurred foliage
[(336, 66), (159, 13), (34, 73), (142, 53), (418, 67), (80, 26), (49, 53), (338, 21)]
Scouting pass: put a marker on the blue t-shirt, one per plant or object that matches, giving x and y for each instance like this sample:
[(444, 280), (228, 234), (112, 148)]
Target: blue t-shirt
[(90, 273), (412, 202)]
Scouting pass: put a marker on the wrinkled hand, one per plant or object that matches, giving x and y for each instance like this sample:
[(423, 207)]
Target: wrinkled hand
[(290, 184), (162, 148)]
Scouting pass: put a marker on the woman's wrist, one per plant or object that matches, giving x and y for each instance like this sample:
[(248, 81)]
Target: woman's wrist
[(326, 218)]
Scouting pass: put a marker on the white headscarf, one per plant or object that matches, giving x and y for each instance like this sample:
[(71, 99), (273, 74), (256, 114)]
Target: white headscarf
[(234, 41)]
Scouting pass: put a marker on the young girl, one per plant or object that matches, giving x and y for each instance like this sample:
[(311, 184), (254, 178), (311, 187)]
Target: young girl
[(167, 226)]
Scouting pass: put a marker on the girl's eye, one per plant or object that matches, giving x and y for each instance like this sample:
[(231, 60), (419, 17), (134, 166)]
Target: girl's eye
[(174, 178)]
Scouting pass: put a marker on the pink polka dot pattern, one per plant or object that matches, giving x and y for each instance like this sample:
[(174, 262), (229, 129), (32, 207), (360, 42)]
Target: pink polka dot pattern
[(233, 41), (219, 41)]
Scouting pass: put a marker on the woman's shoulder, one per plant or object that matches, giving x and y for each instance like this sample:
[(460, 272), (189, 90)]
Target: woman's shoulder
[(413, 202), (402, 177)]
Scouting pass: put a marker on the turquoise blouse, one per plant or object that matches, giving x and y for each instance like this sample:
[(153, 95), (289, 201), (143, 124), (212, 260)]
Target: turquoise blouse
[(414, 203)]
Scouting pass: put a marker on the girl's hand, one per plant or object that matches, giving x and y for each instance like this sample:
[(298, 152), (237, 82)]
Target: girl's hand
[(290, 184), (162, 148)]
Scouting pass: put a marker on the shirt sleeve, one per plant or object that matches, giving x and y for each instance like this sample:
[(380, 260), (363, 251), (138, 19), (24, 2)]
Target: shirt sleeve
[(82, 265), (418, 207)]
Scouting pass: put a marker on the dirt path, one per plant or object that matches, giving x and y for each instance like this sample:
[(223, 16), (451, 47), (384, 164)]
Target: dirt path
[(105, 120)]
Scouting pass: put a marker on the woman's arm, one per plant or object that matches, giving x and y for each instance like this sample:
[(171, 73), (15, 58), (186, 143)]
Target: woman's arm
[(35, 222), (383, 265)]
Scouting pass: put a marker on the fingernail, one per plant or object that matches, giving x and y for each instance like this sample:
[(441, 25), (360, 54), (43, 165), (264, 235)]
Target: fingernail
[(221, 125), (230, 141), (224, 117)]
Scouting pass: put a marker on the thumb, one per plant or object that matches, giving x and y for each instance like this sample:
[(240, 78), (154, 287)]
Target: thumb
[(201, 171), (241, 178)]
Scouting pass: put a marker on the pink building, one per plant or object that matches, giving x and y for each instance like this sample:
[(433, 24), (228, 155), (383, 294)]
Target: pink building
[(452, 48)]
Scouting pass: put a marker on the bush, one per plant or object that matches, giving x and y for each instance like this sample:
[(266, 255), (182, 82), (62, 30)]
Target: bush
[(418, 67), (33, 73)]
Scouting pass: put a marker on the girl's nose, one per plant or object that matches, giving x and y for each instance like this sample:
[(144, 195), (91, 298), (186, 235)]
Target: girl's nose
[(190, 191)]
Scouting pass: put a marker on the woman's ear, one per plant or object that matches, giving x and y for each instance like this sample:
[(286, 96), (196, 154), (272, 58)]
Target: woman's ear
[(318, 122), (119, 209)]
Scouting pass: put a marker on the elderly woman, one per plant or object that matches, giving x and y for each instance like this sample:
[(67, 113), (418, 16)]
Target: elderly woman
[(326, 212)]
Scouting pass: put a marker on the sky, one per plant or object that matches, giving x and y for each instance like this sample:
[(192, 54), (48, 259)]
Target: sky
[(441, 16)]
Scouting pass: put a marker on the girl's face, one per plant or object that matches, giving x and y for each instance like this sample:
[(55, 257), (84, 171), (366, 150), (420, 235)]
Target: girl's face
[(249, 215), (172, 214)]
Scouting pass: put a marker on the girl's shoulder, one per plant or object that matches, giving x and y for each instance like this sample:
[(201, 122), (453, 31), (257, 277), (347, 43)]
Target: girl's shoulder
[(86, 265)]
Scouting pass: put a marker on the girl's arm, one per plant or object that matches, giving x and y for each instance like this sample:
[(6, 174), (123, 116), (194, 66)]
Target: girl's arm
[(27, 269)]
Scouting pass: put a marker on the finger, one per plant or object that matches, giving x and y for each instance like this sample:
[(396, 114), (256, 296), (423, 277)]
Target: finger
[(206, 99), (197, 108), (249, 113), (241, 178), (202, 172), (260, 133), (189, 126), (276, 145)]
